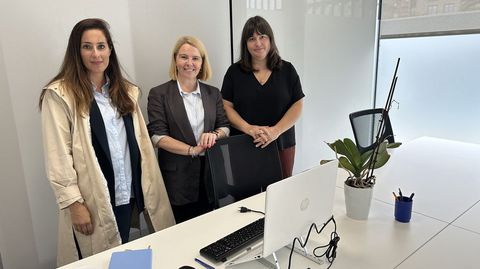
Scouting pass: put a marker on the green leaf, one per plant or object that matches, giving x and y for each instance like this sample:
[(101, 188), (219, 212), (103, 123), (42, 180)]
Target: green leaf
[(350, 152), (339, 147), (382, 159), (345, 164), (352, 160), (354, 153), (366, 156), (325, 161), (383, 147), (394, 145)]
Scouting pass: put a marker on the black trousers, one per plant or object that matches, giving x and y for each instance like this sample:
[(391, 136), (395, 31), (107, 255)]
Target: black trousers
[(123, 216)]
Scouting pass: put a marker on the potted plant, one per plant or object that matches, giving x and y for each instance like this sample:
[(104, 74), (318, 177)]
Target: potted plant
[(360, 181)]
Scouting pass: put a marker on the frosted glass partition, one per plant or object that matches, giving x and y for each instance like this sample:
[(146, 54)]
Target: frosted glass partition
[(437, 89), (331, 44)]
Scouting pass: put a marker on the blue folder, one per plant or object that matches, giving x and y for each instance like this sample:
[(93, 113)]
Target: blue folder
[(128, 259)]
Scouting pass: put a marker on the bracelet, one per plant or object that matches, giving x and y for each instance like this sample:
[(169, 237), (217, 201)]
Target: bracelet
[(217, 134), (191, 152)]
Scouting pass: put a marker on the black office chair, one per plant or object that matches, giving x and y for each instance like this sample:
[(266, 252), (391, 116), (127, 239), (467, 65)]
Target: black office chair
[(365, 125), (239, 169)]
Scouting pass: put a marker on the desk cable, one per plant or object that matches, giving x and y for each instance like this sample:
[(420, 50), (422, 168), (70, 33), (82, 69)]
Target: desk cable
[(243, 209), (331, 251)]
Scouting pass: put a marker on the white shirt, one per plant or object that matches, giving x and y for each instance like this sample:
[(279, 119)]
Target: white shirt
[(194, 107), (117, 144)]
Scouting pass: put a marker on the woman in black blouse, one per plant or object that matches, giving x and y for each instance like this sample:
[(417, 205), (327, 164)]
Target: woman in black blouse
[(262, 94)]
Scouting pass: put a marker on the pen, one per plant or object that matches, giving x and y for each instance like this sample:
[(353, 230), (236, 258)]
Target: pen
[(395, 196), (204, 264), (411, 195), (400, 193)]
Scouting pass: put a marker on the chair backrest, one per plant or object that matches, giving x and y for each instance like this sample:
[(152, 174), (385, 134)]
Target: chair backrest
[(365, 125), (239, 169)]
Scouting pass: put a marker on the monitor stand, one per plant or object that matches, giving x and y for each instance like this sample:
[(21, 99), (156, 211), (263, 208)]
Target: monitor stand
[(301, 251), (309, 256), (304, 252), (268, 264)]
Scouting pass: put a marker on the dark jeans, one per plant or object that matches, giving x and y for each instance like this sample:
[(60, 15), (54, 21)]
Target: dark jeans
[(123, 216)]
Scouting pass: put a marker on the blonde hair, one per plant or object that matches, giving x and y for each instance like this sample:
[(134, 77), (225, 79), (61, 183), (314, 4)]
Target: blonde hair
[(205, 71)]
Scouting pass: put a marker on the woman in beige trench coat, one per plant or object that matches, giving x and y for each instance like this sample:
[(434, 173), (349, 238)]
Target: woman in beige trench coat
[(98, 155)]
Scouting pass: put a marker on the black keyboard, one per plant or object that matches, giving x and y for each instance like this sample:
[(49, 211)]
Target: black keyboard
[(238, 240)]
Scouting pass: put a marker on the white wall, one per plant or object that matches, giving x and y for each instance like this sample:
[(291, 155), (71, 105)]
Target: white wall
[(1, 263), (339, 63), (156, 26), (16, 231), (33, 38)]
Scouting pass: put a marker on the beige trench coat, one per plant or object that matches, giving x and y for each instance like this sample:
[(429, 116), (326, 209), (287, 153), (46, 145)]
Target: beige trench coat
[(74, 174)]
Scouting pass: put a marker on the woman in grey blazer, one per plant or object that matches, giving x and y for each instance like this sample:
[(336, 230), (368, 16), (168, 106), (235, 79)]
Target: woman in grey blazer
[(186, 117)]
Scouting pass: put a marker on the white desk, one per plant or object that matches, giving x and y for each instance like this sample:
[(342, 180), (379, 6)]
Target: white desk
[(470, 220), (362, 242), (452, 248), (455, 247), (379, 242), (178, 245), (430, 240), (442, 173)]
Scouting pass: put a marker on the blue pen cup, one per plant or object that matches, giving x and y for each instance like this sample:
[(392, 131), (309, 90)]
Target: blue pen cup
[(403, 209)]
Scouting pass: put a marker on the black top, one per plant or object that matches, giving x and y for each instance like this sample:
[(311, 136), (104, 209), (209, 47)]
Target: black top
[(265, 104)]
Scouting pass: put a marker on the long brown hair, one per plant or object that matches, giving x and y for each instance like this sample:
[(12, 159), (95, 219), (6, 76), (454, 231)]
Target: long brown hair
[(74, 75), (260, 26)]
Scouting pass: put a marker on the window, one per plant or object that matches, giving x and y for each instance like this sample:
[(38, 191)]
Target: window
[(438, 42), (449, 8), (403, 18), (437, 87), (432, 10)]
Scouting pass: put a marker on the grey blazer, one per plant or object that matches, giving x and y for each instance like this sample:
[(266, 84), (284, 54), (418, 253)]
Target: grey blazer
[(167, 116)]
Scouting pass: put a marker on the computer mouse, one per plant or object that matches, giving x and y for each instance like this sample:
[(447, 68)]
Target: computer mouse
[(186, 267)]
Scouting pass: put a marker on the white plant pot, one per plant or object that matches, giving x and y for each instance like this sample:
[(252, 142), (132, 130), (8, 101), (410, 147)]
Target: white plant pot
[(357, 202)]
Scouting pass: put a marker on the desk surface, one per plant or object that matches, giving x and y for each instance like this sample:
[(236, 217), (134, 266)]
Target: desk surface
[(442, 173), (443, 233)]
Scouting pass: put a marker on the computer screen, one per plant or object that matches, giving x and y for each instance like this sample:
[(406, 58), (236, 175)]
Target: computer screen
[(293, 204), (239, 169)]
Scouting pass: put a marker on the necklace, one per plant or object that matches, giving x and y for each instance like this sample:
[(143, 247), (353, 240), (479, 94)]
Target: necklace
[(262, 75)]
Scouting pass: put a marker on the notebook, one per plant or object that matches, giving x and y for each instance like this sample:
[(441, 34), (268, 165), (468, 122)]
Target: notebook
[(138, 259), (291, 206)]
